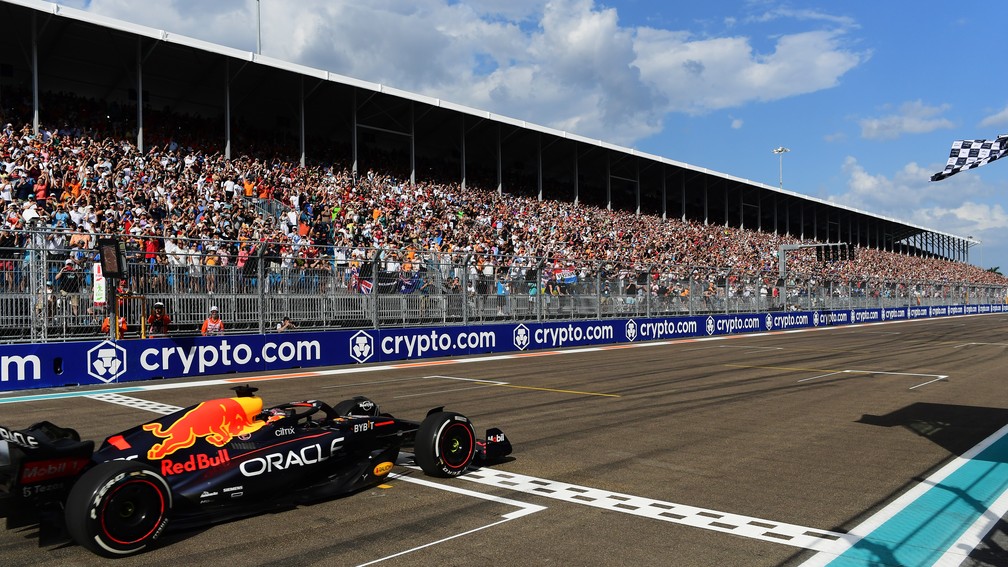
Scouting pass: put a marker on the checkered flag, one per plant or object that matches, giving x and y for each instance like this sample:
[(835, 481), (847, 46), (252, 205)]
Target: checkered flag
[(969, 154)]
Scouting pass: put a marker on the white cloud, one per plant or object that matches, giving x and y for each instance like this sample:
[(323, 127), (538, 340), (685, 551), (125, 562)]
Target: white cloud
[(802, 14), (568, 64), (907, 190), (969, 218), (913, 117), (700, 75), (997, 119), (961, 205)]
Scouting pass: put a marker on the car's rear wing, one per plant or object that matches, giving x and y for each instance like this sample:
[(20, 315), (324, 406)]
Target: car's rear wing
[(38, 466)]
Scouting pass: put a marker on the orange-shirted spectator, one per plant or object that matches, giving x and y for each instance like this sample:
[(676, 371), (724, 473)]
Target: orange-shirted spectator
[(213, 325), (74, 184), (120, 328)]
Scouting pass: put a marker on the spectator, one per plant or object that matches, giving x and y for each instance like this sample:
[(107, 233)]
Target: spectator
[(120, 327), (158, 321), (213, 325), (285, 325), (68, 282)]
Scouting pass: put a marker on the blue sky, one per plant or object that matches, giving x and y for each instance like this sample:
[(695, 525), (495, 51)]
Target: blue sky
[(867, 95)]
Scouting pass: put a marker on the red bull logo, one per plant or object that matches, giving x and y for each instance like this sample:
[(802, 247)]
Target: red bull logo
[(194, 463), (217, 421)]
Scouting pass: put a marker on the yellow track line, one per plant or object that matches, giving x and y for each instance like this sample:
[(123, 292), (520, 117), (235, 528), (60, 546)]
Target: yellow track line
[(558, 391)]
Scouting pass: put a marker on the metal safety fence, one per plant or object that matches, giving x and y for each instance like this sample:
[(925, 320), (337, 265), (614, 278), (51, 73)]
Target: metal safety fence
[(56, 292)]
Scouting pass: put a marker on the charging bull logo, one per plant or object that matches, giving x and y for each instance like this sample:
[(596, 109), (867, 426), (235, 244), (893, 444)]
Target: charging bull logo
[(217, 421)]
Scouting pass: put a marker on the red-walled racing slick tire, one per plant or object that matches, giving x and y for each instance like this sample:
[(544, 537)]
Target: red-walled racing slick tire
[(445, 444), (118, 508)]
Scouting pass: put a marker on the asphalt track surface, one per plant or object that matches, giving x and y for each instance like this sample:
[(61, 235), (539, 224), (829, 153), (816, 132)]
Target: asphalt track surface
[(816, 429)]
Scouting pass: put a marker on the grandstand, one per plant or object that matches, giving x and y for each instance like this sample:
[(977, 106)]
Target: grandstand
[(269, 190)]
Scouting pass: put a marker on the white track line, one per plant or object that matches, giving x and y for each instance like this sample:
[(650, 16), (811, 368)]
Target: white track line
[(725, 522), (972, 536), (524, 509), (975, 534), (937, 377), (135, 403)]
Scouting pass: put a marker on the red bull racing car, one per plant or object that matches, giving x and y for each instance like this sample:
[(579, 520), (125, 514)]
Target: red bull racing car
[(214, 461)]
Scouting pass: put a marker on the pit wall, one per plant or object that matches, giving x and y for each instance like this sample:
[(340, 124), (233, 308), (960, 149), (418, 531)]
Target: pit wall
[(24, 367)]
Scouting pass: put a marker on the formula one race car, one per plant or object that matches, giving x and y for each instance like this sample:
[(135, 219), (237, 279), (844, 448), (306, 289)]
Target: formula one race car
[(214, 461)]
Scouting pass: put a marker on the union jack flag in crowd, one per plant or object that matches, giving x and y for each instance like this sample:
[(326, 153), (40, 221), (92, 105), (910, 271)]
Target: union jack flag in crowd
[(359, 283)]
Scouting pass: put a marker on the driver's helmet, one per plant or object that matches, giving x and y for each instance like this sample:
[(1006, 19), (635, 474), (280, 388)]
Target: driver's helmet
[(273, 414)]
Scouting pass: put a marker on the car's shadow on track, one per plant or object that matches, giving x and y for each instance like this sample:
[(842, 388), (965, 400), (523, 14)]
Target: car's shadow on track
[(955, 428)]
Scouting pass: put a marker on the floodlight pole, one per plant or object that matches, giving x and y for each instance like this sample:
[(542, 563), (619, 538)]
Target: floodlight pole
[(258, 29), (780, 151)]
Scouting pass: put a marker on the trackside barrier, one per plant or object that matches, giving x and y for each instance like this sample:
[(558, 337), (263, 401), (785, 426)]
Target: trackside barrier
[(24, 367)]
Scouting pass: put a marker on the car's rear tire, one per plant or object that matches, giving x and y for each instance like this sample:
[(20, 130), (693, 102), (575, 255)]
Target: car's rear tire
[(118, 508), (445, 444)]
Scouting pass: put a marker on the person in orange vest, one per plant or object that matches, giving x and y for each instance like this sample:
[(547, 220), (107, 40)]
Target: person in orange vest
[(213, 325), (120, 328)]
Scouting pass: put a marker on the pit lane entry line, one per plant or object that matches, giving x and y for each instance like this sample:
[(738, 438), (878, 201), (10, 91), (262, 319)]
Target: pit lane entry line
[(938, 521)]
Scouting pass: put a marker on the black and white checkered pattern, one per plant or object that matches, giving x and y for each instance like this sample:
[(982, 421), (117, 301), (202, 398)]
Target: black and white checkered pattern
[(968, 154)]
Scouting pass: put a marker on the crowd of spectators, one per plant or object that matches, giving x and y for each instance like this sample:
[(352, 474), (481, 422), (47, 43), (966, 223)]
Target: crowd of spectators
[(178, 203)]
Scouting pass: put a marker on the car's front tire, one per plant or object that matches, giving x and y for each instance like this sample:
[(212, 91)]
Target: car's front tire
[(118, 508), (445, 444)]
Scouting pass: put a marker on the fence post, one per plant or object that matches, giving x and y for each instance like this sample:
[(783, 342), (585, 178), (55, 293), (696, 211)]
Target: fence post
[(261, 287), (541, 303), (598, 291), (465, 288), (37, 278), (692, 291), (647, 293), (375, 260)]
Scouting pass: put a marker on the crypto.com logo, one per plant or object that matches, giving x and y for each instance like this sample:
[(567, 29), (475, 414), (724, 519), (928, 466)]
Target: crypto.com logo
[(361, 346), (106, 361), (521, 337), (631, 330)]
